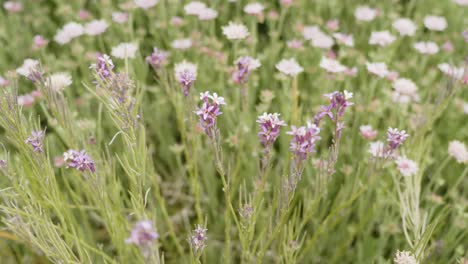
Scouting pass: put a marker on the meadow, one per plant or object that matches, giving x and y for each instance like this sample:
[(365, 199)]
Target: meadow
[(234, 131)]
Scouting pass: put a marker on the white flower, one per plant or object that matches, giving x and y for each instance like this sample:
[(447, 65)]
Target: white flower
[(367, 132), (344, 39), (289, 67), (96, 27), (207, 14), (404, 26), (217, 99), (381, 38), (458, 151), (185, 67), (377, 68), (435, 23), (27, 67), (406, 166), (194, 8), (331, 65), (405, 86), (182, 44), (13, 6), (365, 13), (404, 257), (73, 29), (322, 41), (451, 71), (254, 9), (405, 91), (60, 80), (68, 32), (253, 64), (235, 31), (310, 32), (348, 95), (461, 2), (119, 17), (125, 50), (376, 149), (145, 4), (428, 47)]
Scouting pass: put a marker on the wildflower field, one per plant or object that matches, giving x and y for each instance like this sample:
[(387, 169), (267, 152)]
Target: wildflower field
[(234, 131)]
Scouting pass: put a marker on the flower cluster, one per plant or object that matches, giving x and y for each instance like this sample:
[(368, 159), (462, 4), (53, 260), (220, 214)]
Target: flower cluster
[(198, 240), (244, 65), (406, 166), (304, 139), (404, 257), (186, 74), (339, 101), (269, 129), (209, 111), (395, 138), (103, 67), (35, 140), (79, 160), (157, 58), (142, 234)]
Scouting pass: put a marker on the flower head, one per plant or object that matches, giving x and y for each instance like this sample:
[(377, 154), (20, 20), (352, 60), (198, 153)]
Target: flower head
[(35, 140), (405, 91), (120, 17), (427, 47), (39, 42), (404, 26), (269, 129), (13, 6), (186, 74), (395, 137), (381, 38), (435, 23), (194, 8), (377, 149), (303, 142), (235, 31), (289, 67), (458, 151), (143, 235), (404, 257), (406, 166), (182, 44), (146, 4), (96, 27), (125, 50), (365, 13), (331, 65), (28, 68), (367, 132), (344, 39), (198, 240), (60, 80), (157, 58), (254, 9), (377, 68), (69, 31), (103, 66), (79, 160), (244, 65), (209, 111)]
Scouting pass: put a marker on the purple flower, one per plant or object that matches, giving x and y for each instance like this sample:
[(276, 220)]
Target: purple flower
[(209, 111), (339, 101), (3, 164), (395, 138), (303, 141), (143, 234), (186, 74), (244, 65), (157, 58), (198, 239), (103, 66), (79, 160), (269, 129), (35, 140)]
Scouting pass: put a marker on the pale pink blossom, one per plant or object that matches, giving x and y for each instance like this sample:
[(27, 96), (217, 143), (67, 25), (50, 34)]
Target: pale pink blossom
[(461, 2), (13, 6), (289, 67), (331, 65), (182, 44), (458, 151), (344, 39), (365, 13), (120, 17), (404, 26), (377, 68), (146, 4), (333, 24), (447, 46), (381, 38), (426, 47), (406, 166), (207, 14), (96, 27), (234, 31), (194, 8), (435, 23), (405, 91), (295, 44), (367, 132), (254, 9), (377, 149)]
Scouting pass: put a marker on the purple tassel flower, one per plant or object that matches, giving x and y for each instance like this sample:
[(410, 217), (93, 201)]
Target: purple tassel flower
[(186, 74), (198, 240), (209, 111), (269, 129), (79, 160), (244, 65), (35, 140), (339, 101), (303, 141), (395, 139), (157, 58), (143, 234), (103, 67)]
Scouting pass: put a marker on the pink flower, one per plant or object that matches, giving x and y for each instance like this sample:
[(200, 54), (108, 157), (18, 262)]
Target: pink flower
[(295, 44), (333, 24), (381, 38), (365, 13), (13, 6), (120, 17), (447, 46), (406, 166), (427, 47), (435, 23), (39, 42), (367, 132)]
